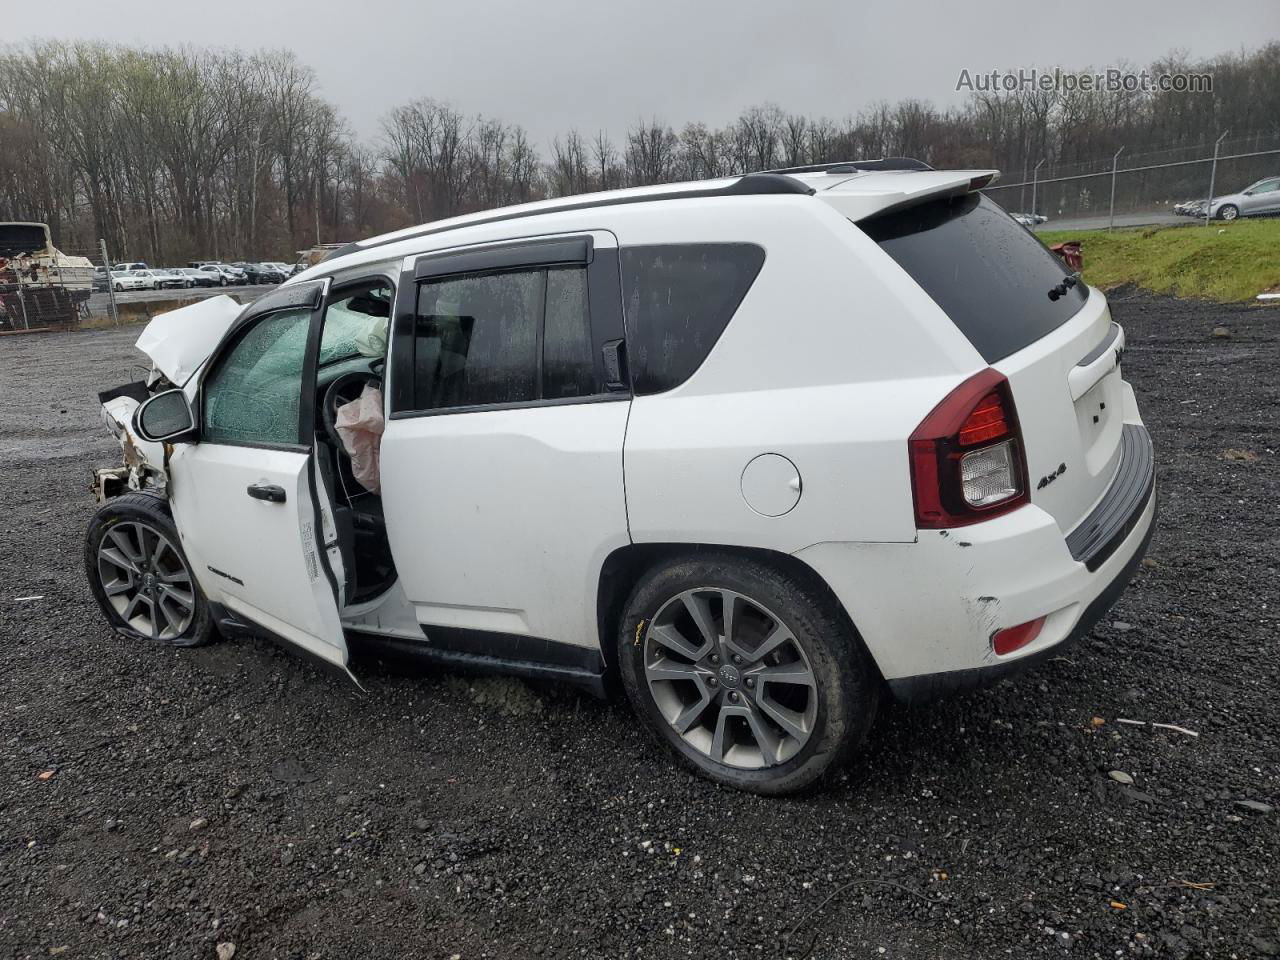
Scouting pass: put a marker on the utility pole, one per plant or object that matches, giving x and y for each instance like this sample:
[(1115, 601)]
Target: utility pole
[(1114, 161), (1213, 175)]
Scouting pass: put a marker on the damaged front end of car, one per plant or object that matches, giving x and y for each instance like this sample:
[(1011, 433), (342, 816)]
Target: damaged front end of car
[(177, 343)]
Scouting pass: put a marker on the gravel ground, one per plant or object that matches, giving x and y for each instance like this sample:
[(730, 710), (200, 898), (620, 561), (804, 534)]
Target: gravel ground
[(156, 802)]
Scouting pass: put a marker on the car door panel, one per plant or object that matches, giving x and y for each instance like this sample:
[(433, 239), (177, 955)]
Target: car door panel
[(501, 520), (500, 515), (257, 557), (244, 496)]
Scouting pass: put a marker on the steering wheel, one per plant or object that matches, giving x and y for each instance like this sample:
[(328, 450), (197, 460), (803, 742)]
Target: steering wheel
[(344, 389)]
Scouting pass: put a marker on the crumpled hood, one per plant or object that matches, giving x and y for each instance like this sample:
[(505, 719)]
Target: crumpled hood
[(179, 341)]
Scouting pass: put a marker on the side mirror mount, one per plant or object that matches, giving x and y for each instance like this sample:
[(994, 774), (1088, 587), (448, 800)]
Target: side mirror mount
[(165, 418)]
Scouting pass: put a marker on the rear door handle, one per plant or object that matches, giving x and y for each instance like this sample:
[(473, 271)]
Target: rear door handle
[(614, 354), (270, 492)]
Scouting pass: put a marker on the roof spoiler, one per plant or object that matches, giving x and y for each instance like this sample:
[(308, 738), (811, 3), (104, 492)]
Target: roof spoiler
[(863, 197), (858, 166)]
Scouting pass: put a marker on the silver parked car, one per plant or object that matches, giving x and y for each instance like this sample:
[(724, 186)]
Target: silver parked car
[(1260, 199)]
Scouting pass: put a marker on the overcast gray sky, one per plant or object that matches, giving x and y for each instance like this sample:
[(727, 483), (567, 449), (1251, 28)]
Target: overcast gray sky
[(555, 64)]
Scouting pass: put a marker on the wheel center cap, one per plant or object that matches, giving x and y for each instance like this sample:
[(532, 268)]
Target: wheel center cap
[(729, 675), (149, 581)]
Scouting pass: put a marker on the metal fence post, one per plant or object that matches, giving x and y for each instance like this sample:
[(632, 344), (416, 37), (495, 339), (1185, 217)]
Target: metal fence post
[(1213, 175), (1115, 160), (111, 290), (1035, 175)]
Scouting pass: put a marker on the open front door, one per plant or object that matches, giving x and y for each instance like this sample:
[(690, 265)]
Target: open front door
[(245, 496)]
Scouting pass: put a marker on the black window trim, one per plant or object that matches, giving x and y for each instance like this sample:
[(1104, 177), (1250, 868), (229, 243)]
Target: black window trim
[(604, 313), (506, 258)]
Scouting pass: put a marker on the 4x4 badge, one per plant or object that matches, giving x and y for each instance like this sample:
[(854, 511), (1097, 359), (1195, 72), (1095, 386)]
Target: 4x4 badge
[(1046, 480)]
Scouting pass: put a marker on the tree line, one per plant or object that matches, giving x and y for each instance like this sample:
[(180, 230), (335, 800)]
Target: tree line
[(172, 154)]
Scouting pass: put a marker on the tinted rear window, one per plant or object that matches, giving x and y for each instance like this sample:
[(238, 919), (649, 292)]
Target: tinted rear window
[(989, 274), (678, 299)]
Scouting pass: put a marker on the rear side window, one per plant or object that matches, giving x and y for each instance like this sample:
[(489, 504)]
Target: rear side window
[(678, 300), (503, 338), (476, 340), (988, 273)]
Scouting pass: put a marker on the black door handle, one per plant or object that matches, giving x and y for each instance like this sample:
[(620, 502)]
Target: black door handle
[(614, 355), (267, 491)]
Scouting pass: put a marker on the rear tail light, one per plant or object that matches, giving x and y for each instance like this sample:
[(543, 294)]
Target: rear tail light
[(1015, 638), (967, 462)]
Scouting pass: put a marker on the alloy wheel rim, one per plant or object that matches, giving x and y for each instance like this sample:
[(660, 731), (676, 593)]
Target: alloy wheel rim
[(730, 678), (1229, 213), (146, 580)]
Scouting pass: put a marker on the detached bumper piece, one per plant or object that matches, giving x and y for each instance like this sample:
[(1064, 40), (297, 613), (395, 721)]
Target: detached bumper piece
[(1098, 536)]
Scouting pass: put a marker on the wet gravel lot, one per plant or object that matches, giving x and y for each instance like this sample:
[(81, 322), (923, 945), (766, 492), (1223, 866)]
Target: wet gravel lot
[(160, 803)]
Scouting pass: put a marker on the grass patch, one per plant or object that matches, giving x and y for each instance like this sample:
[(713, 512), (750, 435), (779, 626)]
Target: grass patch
[(1223, 262)]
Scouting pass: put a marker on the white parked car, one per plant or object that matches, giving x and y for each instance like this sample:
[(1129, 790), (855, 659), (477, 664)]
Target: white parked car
[(225, 275), (122, 280), (1030, 219), (766, 449)]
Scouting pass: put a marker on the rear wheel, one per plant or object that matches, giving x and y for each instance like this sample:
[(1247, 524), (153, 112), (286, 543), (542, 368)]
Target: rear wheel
[(140, 576), (749, 674)]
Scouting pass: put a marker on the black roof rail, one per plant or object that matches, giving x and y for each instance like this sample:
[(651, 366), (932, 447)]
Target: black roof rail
[(856, 166), (752, 184)]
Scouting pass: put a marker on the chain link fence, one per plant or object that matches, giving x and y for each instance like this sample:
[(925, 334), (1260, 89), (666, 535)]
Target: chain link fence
[(42, 292), (1141, 189), (76, 288)]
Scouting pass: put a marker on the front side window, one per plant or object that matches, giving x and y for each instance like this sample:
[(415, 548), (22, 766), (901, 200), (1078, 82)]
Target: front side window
[(252, 396), (355, 323), (503, 338)]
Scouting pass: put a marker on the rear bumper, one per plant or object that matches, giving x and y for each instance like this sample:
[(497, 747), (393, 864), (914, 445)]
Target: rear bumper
[(927, 610), (931, 686)]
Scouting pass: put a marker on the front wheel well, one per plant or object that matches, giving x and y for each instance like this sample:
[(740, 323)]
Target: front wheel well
[(624, 567)]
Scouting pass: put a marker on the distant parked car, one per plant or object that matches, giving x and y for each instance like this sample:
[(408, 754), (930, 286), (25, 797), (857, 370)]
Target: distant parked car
[(256, 273), (1029, 219), (223, 274), (122, 280), (196, 278), (1259, 199), (126, 267), (101, 279), (166, 279), (271, 273)]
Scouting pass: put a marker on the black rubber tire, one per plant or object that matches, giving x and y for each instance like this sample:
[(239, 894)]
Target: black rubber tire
[(849, 685), (155, 512)]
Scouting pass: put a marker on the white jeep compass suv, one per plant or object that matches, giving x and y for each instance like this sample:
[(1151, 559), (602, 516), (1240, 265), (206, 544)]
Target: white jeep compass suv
[(765, 449)]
